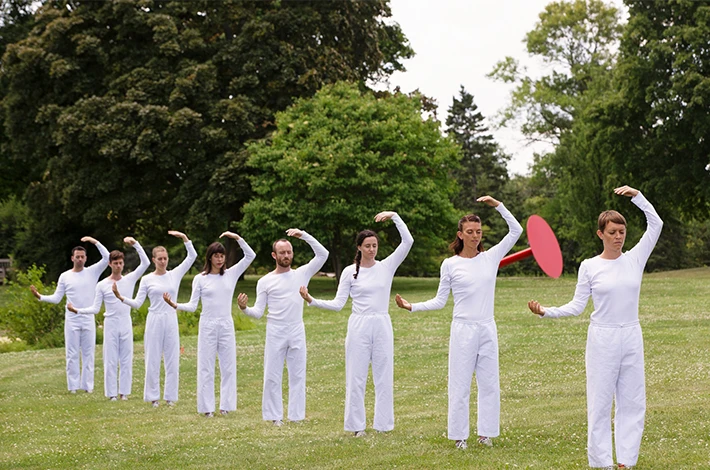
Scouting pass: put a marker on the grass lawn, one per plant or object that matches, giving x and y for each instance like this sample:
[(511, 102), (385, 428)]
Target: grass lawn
[(543, 414)]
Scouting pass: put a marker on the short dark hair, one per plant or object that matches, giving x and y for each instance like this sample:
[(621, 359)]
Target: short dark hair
[(214, 248), (610, 216), (78, 248), (115, 255)]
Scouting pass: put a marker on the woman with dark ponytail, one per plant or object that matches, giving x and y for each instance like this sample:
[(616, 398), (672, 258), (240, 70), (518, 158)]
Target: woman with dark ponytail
[(473, 345), (369, 338)]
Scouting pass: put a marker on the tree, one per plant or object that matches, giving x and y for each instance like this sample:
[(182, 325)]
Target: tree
[(131, 116), (337, 159)]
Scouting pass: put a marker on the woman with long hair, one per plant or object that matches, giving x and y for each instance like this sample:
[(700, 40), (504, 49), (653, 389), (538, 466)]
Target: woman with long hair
[(215, 286), (369, 338), (473, 345), (614, 354)]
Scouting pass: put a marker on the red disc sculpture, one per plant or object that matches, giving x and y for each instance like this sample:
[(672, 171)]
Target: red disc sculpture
[(543, 246)]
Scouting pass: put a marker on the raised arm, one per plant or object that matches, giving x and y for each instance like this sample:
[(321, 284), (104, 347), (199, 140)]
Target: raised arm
[(186, 264), (97, 268), (575, 306), (654, 224), (195, 296), (514, 229), (145, 261), (442, 293), (337, 304), (249, 255), (319, 250), (395, 259), (95, 307), (58, 294)]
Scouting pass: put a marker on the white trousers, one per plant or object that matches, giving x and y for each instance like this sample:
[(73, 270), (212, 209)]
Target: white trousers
[(284, 343), (162, 338), (369, 340), (118, 352), (80, 342), (216, 338), (615, 369), (473, 347)]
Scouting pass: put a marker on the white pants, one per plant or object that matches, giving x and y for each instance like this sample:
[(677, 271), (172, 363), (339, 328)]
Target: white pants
[(118, 351), (615, 369), (216, 338), (473, 347), (162, 338), (284, 343), (80, 342), (369, 340)]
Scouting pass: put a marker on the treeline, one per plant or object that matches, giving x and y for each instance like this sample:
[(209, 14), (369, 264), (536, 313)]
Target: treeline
[(138, 116)]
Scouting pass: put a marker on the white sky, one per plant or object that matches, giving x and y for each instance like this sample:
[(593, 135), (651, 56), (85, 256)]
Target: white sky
[(458, 42)]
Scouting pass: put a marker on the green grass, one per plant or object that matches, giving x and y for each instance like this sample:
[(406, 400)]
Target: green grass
[(542, 379)]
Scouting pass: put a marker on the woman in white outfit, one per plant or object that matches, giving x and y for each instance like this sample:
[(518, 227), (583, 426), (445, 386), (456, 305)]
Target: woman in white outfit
[(162, 336), (369, 338), (473, 346), (614, 355), (215, 286)]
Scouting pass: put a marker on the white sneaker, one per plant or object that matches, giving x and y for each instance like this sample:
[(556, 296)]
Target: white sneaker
[(209, 415), (360, 433), (90, 391), (223, 412), (278, 422), (113, 399), (169, 403), (485, 441), (461, 444), (72, 392), (124, 397), (155, 403)]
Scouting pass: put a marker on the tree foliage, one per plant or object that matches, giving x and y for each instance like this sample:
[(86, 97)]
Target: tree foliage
[(338, 159)]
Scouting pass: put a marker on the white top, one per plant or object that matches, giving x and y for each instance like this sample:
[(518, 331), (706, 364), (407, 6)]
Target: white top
[(216, 290), (280, 291), (473, 280), (614, 284), (79, 286), (104, 289), (153, 286), (371, 290)]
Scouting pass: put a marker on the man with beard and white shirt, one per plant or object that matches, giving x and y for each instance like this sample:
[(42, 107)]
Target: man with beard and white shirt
[(285, 332), (79, 331), (118, 327)]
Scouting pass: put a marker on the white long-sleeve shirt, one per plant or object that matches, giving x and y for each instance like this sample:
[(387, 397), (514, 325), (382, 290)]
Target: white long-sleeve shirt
[(79, 286), (217, 290), (153, 286), (280, 291), (371, 290), (104, 289), (614, 284), (473, 280)]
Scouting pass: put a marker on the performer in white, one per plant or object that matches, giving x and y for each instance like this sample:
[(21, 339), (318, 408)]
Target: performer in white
[(614, 355), (215, 286), (162, 336), (79, 331), (118, 327), (473, 345), (369, 338), (285, 332)]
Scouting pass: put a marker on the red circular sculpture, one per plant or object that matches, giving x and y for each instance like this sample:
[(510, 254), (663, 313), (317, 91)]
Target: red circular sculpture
[(543, 246)]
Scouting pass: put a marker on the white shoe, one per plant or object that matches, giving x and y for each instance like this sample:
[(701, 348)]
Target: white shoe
[(124, 397), (73, 392), (278, 422), (90, 391), (209, 415), (485, 441), (169, 403), (223, 412), (113, 399), (360, 433), (461, 444), (155, 403)]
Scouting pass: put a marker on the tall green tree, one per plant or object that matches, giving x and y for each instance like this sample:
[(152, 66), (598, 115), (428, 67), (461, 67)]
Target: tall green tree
[(131, 116), (339, 158)]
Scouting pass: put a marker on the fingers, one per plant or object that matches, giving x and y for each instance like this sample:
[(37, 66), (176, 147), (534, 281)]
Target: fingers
[(382, 216), (129, 241), (35, 292), (88, 239), (536, 308), (177, 234), (626, 191), (231, 235), (242, 300), (294, 232), (401, 303), (71, 308), (304, 293), (168, 300), (488, 200)]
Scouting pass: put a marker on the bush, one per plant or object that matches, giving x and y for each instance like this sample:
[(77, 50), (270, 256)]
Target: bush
[(39, 324)]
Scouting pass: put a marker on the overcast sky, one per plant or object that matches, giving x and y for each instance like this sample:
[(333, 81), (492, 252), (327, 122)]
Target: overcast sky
[(458, 42)]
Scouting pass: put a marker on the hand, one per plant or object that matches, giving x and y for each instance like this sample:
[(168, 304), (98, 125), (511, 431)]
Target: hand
[(90, 240), (294, 232), (231, 235), (304, 293), (626, 191), (489, 201), (242, 300), (168, 300), (401, 303), (536, 308), (130, 241), (175, 233), (35, 292), (386, 215), (71, 308), (114, 288)]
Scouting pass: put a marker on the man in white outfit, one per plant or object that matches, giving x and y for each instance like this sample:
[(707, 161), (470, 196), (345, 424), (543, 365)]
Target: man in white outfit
[(285, 333), (79, 331), (118, 327)]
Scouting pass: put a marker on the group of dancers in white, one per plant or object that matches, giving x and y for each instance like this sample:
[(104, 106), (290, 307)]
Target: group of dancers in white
[(614, 355)]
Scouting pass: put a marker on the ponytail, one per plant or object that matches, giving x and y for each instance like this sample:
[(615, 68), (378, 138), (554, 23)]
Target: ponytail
[(358, 242), (358, 257)]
